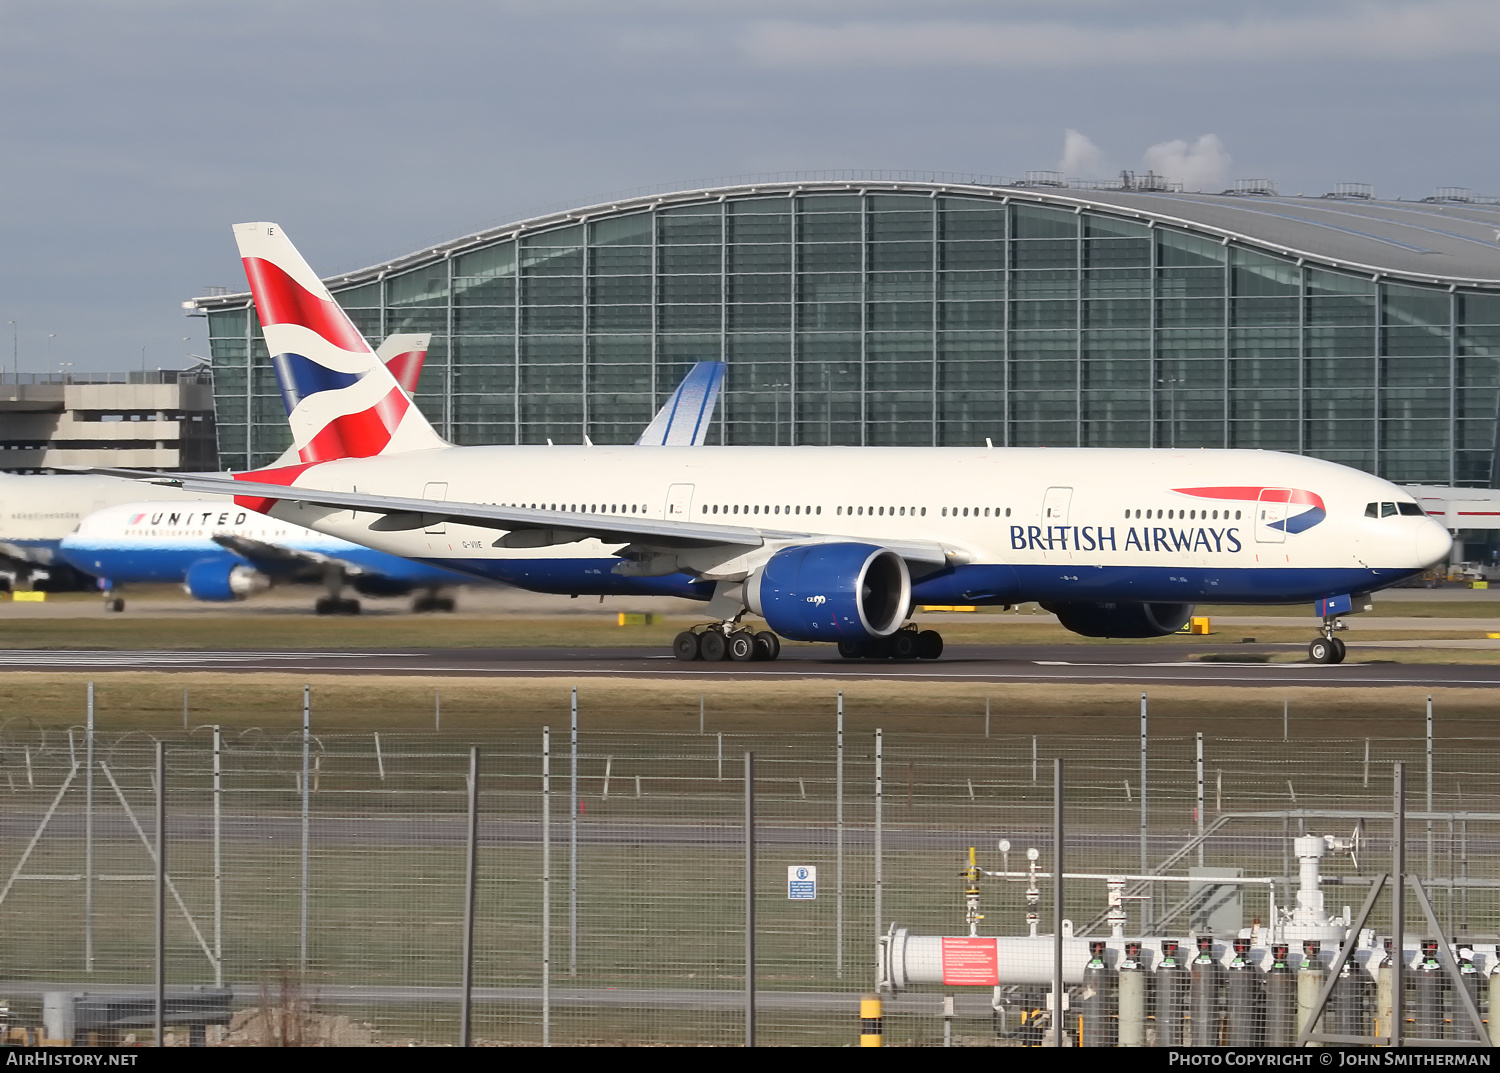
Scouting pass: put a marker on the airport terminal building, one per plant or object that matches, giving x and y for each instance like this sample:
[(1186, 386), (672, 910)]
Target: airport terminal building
[(1362, 331)]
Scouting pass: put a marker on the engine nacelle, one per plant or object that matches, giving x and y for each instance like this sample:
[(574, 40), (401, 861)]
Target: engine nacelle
[(223, 579), (831, 592), (1121, 619)]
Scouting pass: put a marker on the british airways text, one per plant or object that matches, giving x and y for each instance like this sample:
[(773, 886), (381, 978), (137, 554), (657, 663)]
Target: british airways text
[(1100, 538)]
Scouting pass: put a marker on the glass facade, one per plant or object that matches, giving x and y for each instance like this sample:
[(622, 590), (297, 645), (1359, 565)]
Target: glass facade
[(917, 318)]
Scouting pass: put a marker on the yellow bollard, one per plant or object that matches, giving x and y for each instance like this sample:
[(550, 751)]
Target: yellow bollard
[(869, 1021)]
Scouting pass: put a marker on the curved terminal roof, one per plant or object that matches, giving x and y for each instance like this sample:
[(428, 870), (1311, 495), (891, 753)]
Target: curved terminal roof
[(1442, 242)]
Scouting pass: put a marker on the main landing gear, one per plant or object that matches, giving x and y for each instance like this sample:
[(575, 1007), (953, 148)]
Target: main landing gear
[(336, 605), (432, 600), (906, 643), (726, 641), (1328, 648)]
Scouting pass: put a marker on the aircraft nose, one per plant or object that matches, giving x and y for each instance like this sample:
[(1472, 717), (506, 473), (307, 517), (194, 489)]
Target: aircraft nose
[(1433, 544)]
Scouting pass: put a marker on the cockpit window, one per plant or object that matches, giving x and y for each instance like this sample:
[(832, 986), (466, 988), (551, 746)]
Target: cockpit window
[(1391, 510)]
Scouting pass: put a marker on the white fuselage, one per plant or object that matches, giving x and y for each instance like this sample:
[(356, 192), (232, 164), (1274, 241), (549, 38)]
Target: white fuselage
[(1084, 523), (37, 510)]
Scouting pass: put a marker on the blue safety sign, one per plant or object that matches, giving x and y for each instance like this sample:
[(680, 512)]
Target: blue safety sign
[(801, 882)]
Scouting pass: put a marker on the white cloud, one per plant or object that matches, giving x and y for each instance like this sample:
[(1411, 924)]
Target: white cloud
[(1081, 158), (1392, 31), (1201, 165)]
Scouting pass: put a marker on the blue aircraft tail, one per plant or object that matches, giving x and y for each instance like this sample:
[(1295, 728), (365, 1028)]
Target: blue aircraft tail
[(684, 420)]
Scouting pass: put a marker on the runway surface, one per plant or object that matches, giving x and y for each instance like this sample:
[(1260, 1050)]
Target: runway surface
[(1229, 664)]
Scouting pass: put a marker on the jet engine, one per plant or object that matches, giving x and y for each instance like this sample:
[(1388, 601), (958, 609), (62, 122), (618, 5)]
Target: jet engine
[(1121, 619), (223, 579), (831, 592)]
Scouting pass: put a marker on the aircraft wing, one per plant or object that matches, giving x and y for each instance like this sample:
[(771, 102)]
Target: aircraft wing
[(278, 560), (684, 420), (525, 528)]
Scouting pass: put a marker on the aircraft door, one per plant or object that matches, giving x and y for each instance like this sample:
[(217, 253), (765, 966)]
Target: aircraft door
[(1055, 506), (679, 501), (1270, 509), (436, 490)]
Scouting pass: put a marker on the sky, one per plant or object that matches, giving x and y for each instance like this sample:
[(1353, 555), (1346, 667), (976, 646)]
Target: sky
[(133, 133)]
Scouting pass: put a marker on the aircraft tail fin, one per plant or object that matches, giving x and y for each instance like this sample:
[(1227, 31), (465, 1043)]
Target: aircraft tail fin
[(684, 420), (403, 354), (341, 401)]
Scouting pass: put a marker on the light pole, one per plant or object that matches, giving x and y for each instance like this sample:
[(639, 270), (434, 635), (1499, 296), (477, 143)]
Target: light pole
[(827, 411), (776, 403), (50, 336), (15, 350), (1171, 409)]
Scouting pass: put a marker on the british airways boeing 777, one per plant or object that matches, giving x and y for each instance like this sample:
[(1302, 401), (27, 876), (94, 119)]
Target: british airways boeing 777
[(830, 544)]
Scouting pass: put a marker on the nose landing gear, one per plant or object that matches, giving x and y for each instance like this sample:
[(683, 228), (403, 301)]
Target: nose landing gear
[(1328, 648)]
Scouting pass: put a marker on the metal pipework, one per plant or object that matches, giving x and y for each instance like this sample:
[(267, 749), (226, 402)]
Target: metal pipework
[(906, 959)]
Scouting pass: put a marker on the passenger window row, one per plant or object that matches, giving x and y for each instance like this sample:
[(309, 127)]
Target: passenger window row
[(586, 508), (1185, 515), (954, 512), (882, 511), (756, 508)]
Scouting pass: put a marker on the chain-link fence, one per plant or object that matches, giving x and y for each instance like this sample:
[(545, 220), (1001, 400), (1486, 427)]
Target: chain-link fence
[(319, 879)]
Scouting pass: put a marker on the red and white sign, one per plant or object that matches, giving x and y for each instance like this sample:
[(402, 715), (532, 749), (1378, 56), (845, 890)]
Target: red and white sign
[(970, 960)]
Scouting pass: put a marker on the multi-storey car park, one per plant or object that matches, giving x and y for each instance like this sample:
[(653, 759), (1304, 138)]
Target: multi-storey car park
[(938, 313)]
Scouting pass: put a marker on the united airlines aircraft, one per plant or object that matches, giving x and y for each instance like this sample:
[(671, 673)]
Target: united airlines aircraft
[(221, 552), (834, 544), (37, 510)]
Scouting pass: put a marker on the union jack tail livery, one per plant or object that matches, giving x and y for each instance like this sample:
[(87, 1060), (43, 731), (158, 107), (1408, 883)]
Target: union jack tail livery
[(341, 401)]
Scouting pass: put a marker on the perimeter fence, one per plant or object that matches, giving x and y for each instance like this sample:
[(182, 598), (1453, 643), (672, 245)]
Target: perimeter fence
[(321, 877)]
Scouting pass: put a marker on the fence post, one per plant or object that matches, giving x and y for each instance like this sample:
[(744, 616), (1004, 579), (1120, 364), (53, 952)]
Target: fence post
[(546, 886), (88, 838), (306, 832), (1148, 904), (1398, 904), (218, 860), (838, 907), (879, 831), (161, 893), (1430, 865), (1200, 799), (573, 842), (749, 899), (1059, 994), (466, 1026)]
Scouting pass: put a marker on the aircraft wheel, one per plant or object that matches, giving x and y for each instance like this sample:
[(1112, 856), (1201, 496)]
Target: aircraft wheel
[(767, 645), (115, 604), (324, 605), (446, 604), (1338, 650), (852, 649), (742, 646), (685, 646), (713, 646), (904, 645), (880, 648), (423, 604), (1321, 651), (929, 644), (347, 607)]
